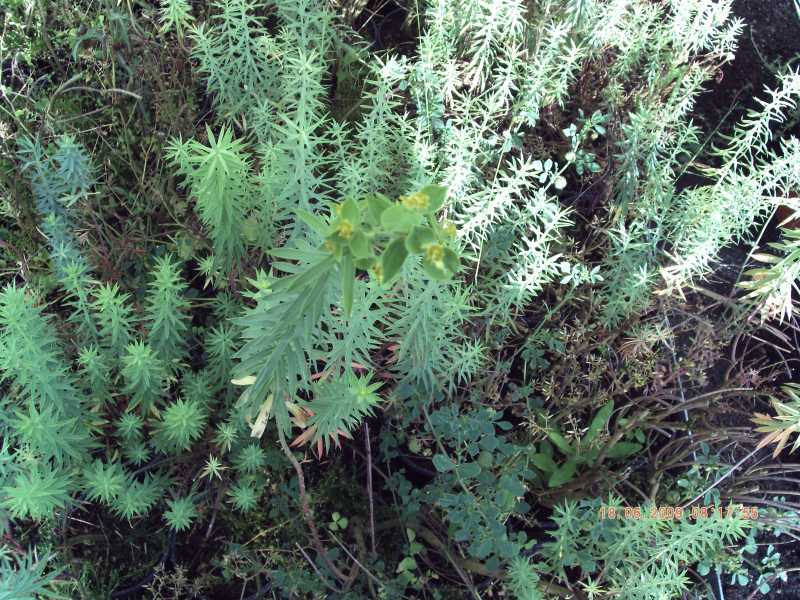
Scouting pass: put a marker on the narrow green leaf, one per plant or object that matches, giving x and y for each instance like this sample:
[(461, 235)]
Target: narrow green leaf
[(563, 474), (313, 221), (544, 463), (623, 450), (348, 280), (561, 443), (599, 422)]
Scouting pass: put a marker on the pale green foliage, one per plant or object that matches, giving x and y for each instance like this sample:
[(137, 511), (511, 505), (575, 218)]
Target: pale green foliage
[(354, 339), (138, 497), (104, 481), (95, 372), (243, 496), (774, 285), (218, 178), (339, 405), (114, 317), (36, 493), (181, 513), (76, 281), (642, 558), (278, 359), (196, 387), (226, 435), (29, 354), (708, 218), (234, 55), (477, 107), (175, 14), (137, 452), (50, 435), (429, 324), (182, 422), (294, 137), (221, 344), (129, 426), (250, 459), (523, 581)]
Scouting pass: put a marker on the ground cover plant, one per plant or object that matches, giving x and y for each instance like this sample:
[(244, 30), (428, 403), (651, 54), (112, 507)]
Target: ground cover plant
[(429, 299)]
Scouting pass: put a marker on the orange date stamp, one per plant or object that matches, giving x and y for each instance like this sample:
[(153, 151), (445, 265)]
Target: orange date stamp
[(676, 513)]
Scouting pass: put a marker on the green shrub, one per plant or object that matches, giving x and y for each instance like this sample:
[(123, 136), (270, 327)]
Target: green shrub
[(446, 280)]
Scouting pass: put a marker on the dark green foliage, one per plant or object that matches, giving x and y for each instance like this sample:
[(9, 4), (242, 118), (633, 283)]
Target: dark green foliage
[(114, 318), (144, 375), (166, 311), (30, 355), (25, 577)]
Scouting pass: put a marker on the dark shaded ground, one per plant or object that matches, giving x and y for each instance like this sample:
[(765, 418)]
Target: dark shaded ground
[(771, 39)]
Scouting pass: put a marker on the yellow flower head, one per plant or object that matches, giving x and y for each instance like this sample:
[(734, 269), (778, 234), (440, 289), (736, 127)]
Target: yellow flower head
[(417, 201), (449, 229), (345, 229), (435, 254), (377, 270)]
